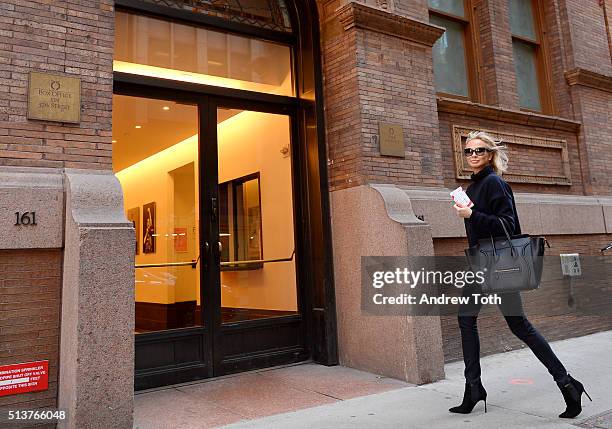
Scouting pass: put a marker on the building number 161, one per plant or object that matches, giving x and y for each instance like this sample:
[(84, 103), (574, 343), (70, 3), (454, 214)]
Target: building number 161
[(25, 218)]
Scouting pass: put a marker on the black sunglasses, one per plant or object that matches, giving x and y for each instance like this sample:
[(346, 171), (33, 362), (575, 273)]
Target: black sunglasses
[(478, 151)]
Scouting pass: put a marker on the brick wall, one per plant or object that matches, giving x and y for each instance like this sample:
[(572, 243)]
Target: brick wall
[(541, 161), (546, 307), (416, 9), (576, 36), (30, 294), (595, 109), (493, 29), (558, 56), (342, 115), (396, 86), (372, 77), (568, 47), (588, 41), (73, 37)]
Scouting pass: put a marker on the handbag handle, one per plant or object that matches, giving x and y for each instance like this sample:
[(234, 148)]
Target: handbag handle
[(512, 249)]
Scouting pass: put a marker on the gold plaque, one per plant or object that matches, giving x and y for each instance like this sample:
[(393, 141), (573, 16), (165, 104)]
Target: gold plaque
[(391, 139), (54, 98)]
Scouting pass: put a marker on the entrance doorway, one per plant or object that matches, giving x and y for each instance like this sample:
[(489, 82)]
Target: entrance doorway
[(217, 150), (217, 281)]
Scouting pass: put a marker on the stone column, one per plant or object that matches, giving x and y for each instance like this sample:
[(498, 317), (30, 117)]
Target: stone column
[(378, 71), (97, 333)]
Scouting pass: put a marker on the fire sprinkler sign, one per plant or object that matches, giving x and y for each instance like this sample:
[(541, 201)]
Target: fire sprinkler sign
[(24, 377)]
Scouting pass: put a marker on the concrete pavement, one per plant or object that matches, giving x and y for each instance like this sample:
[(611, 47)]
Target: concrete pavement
[(521, 394)]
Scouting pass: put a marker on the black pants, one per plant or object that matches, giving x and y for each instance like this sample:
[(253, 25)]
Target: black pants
[(512, 309)]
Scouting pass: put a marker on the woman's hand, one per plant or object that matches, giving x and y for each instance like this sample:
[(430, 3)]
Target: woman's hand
[(464, 212)]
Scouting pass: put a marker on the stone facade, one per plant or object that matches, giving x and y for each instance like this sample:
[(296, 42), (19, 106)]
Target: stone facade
[(372, 75), (73, 38), (377, 67)]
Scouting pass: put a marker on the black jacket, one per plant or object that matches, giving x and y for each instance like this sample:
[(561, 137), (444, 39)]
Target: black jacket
[(492, 197)]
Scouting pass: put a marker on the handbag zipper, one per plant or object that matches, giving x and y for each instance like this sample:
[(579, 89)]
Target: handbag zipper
[(508, 269)]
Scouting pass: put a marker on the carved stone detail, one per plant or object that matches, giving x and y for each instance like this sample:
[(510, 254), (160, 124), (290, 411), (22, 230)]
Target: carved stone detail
[(496, 113), (589, 78), (358, 15), (462, 171)]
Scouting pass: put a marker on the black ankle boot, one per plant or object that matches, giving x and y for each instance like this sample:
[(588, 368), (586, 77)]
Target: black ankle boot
[(572, 393), (474, 392)]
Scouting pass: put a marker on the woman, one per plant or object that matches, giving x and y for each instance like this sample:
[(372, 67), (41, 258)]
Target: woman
[(493, 199)]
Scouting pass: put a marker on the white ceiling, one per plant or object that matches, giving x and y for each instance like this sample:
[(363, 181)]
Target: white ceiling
[(159, 130)]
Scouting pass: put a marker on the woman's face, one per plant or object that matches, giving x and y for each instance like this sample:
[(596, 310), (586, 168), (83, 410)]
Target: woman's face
[(478, 162)]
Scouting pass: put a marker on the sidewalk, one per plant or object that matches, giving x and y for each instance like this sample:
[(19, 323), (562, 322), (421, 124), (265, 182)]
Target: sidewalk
[(521, 395)]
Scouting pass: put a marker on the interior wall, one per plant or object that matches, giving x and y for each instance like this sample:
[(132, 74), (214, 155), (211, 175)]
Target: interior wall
[(249, 142), (185, 247), (152, 180)]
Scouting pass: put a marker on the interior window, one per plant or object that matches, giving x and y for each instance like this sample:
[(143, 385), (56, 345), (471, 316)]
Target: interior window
[(163, 49), (240, 223)]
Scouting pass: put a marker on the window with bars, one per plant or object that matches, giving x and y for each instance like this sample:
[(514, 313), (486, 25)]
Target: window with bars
[(453, 53)]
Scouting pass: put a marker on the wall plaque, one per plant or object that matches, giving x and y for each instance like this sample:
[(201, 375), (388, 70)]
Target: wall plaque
[(54, 98), (391, 139)]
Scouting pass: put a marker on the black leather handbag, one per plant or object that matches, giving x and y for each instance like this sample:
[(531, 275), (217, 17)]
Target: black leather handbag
[(509, 264)]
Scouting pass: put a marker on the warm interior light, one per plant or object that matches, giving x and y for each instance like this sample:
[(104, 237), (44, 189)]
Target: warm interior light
[(203, 79), (138, 127), (188, 145), (246, 133), (114, 141), (156, 162), (165, 108)]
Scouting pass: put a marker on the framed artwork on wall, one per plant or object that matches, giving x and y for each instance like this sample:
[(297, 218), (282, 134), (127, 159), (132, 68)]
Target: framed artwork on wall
[(133, 216), (148, 228)]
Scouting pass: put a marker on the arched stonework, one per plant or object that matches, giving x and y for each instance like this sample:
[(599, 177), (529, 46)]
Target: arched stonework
[(268, 14)]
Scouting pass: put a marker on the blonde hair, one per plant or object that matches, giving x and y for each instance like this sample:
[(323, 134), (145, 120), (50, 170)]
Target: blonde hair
[(499, 161)]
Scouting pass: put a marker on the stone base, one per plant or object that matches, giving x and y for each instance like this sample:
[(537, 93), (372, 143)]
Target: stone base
[(97, 335), (377, 220)]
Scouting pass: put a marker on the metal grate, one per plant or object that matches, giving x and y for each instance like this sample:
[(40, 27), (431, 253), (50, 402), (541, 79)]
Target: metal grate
[(268, 14)]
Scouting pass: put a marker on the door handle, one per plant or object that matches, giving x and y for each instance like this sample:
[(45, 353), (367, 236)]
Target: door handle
[(213, 209)]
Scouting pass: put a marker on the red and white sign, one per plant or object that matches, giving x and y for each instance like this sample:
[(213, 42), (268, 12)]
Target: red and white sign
[(180, 239), (24, 377)]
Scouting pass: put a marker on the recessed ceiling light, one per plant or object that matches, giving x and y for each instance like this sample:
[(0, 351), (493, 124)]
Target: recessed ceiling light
[(138, 127), (165, 108), (114, 141)]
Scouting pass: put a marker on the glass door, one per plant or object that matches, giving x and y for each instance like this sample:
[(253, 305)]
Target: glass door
[(203, 125), (156, 159), (256, 318), (211, 189)]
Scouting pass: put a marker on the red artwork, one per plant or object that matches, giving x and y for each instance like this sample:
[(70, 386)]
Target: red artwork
[(180, 239)]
